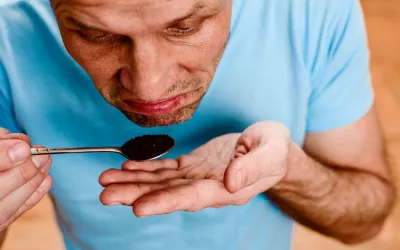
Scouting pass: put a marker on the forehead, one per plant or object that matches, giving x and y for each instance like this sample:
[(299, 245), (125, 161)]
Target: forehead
[(145, 12), (139, 7)]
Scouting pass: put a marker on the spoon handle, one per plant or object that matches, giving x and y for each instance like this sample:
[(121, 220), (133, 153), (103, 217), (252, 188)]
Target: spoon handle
[(45, 151)]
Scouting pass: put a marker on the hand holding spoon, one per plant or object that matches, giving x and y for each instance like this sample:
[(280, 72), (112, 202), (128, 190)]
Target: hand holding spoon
[(142, 148)]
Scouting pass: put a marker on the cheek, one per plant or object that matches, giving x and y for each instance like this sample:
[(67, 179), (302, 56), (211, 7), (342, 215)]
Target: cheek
[(99, 61), (209, 45)]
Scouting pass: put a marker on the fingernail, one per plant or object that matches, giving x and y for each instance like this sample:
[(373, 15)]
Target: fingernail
[(239, 180), (39, 160), (19, 153)]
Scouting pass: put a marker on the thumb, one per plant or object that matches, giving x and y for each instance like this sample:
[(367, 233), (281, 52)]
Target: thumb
[(267, 163), (245, 170)]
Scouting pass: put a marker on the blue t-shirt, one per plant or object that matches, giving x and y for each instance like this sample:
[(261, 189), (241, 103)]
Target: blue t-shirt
[(304, 63)]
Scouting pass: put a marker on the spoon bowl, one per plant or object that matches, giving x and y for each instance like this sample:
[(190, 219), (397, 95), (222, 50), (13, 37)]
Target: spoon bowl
[(141, 148), (147, 147)]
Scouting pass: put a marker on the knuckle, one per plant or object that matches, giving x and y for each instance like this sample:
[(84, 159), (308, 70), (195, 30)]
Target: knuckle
[(181, 159), (154, 165), (138, 189), (35, 182), (166, 174), (273, 126), (246, 141), (167, 194), (49, 161), (25, 173), (127, 165), (40, 161), (18, 136), (5, 215), (23, 137), (29, 204), (144, 176)]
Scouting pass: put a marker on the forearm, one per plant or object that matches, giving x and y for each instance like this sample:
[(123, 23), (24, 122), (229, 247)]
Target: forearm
[(2, 237), (349, 205)]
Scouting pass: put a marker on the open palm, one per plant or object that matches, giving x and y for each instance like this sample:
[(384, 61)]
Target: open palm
[(206, 177), (210, 160)]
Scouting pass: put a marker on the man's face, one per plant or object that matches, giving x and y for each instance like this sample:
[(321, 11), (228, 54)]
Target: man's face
[(152, 59)]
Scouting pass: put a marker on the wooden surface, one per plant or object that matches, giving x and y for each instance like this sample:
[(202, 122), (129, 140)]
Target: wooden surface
[(37, 230)]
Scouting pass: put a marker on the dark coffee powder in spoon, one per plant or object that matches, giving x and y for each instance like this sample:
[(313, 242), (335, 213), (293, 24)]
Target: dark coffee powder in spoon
[(147, 147)]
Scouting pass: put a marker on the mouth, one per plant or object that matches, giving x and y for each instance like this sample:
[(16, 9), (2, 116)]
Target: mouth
[(161, 107)]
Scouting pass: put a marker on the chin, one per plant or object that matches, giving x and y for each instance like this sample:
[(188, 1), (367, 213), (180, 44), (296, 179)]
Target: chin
[(179, 116)]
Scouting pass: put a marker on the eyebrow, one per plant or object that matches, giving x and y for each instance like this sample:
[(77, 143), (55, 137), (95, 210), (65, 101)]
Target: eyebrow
[(81, 25)]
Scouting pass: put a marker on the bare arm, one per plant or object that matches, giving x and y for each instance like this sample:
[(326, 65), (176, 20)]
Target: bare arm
[(2, 237), (340, 184)]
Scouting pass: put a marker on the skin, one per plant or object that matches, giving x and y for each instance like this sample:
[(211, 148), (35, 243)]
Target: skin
[(338, 183), (131, 55), (24, 179), (3, 237)]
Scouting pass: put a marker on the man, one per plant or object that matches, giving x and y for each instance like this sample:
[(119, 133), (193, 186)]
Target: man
[(269, 102)]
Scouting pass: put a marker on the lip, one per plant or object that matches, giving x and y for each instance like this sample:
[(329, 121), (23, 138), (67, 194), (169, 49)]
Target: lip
[(156, 108)]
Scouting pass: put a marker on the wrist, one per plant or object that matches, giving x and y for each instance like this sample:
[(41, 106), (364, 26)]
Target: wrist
[(2, 236), (303, 174), (296, 162)]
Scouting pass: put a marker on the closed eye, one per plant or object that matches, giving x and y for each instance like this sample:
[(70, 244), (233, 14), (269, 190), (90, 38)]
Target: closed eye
[(97, 36)]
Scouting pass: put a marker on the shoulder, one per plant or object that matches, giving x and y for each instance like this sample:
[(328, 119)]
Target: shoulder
[(326, 16), (322, 10), (307, 12), (13, 4), (15, 9), (23, 20), (321, 27), (29, 41)]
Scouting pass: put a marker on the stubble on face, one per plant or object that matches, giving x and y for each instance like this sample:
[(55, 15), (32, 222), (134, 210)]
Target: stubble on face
[(179, 116), (193, 60)]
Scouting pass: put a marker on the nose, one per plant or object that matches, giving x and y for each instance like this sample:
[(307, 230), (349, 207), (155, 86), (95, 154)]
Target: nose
[(151, 70)]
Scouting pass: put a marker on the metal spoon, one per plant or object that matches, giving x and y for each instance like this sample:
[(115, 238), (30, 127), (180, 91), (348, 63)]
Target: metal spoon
[(142, 148)]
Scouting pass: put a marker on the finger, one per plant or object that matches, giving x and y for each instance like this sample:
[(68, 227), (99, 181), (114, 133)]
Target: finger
[(127, 194), (266, 130), (13, 152), (150, 165), (33, 200), (3, 132), (114, 176), (10, 204), (192, 196), (14, 178), (17, 136), (262, 162)]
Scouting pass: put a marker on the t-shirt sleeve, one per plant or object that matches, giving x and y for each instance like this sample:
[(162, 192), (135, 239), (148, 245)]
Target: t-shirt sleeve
[(7, 116), (341, 85)]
